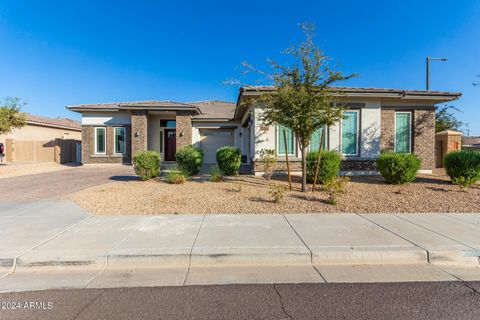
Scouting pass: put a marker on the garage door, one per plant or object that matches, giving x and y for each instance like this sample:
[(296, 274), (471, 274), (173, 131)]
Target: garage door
[(211, 140)]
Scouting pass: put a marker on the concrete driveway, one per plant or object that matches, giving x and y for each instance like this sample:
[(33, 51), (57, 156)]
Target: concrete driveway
[(58, 184)]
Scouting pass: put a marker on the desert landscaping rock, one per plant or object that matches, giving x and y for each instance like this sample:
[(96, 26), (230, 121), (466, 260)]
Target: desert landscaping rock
[(247, 194)]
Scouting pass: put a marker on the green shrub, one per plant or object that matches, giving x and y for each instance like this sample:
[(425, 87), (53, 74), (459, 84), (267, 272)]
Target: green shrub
[(334, 188), (268, 159), (229, 160), (463, 167), (176, 176), (146, 164), (216, 174), (328, 169), (189, 160), (277, 191), (398, 168)]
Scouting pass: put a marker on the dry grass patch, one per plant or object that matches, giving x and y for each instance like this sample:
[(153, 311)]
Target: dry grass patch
[(247, 194)]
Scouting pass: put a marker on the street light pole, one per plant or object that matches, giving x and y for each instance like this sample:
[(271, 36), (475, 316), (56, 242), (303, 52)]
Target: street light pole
[(428, 69)]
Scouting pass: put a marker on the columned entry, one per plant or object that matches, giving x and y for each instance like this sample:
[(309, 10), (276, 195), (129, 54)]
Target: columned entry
[(170, 144)]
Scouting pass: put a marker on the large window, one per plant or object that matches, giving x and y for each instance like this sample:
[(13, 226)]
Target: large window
[(120, 141), (100, 140), (316, 138), (281, 148), (350, 133), (403, 132)]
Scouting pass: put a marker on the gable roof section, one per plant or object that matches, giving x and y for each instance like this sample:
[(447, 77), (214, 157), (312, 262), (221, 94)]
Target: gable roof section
[(203, 110), (214, 110), (63, 123)]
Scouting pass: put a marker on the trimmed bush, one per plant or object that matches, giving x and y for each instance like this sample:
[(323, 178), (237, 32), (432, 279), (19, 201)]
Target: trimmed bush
[(146, 164), (176, 176), (189, 160), (229, 160), (328, 169), (463, 167), (398, 168)]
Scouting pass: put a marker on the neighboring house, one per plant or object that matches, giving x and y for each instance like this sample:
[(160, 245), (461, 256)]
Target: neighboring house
[(471, 143), (376, 119), (31, 142)]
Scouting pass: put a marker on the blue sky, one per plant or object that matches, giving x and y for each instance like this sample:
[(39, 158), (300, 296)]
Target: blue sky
[(56, 53)]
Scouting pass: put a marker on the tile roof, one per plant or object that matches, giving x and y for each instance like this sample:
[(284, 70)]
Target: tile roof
[(53, 122)]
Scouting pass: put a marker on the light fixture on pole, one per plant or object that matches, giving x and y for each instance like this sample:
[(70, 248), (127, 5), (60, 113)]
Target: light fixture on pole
[(428, 69)]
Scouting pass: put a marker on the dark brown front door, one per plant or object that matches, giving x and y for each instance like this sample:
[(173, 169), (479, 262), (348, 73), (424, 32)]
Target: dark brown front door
[(170, 144)]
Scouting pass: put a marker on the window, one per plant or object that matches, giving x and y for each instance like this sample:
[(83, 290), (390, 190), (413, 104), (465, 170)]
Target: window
[(119, 140), (316, 138), (100, 140), (168, 123), (281, 141), (403, 132), (350, 133)]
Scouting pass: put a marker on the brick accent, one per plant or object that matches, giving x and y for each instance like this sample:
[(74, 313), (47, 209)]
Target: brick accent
[(184, 129), (88, 146), (424, 137), (387, 130), (423, 131), (139, 131)]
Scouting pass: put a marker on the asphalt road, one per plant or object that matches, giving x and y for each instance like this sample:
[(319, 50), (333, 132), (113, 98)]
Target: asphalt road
[(431, 300)]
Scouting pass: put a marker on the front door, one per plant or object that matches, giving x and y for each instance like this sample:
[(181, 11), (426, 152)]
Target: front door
[(170, 144)]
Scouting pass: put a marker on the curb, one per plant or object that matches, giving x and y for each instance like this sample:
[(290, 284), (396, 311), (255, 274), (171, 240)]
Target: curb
[(257, 256)]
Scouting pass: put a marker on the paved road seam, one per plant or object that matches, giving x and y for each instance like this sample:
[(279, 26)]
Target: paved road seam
[(191, 250)]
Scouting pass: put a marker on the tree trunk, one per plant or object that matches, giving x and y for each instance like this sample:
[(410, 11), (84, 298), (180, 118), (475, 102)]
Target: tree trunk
[(304, 169)]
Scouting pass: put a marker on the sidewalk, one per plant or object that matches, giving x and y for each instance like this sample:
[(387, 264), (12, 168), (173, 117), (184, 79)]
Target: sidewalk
[(60, 238)]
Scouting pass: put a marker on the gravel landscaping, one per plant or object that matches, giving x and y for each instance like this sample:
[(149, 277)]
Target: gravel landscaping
[(248, 194)]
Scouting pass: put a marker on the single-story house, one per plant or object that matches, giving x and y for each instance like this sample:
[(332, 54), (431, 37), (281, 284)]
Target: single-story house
[(36, 140), (375, 119)]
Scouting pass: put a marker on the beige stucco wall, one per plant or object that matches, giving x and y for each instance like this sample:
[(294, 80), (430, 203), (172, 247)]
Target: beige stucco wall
[(33, 132)]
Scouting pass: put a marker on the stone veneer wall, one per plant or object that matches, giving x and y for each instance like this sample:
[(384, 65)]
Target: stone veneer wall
[(184, 129), (88, 146), (139, 132), (423, 143), (296, 165)]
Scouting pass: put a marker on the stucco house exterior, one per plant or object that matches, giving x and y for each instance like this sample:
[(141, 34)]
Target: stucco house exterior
[(376, 119)]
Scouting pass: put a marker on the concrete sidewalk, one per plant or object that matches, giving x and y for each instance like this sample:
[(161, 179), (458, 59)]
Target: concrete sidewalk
[(59, 237)]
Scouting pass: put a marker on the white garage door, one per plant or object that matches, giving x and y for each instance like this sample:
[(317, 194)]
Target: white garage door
[(211, 140)]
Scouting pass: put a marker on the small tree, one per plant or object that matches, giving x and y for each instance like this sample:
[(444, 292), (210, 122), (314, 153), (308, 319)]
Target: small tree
[(303, 99), (11, 116), (446, 120)]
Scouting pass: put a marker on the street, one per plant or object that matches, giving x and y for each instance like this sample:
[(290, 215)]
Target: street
[(413, 300)]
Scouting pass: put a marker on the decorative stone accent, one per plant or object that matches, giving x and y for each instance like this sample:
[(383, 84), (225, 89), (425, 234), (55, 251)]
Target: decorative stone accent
[(424, 137), (88, 146), (358, 165), (139, 132), (184, 128)]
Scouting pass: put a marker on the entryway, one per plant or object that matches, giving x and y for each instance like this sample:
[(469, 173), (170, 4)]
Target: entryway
[(170, 137)]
